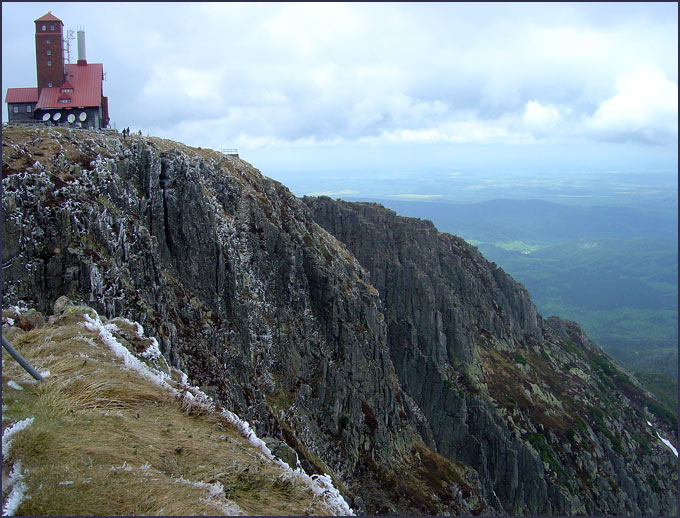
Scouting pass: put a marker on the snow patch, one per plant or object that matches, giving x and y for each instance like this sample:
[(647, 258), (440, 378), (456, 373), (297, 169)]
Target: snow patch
[(10, 431), (129, 360), (152, 352), (14, 385), (667, 443), (18, 492)]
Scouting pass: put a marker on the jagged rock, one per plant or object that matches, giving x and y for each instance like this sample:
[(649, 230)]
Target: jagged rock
[(397, 378), (453, 321), (281, 450)]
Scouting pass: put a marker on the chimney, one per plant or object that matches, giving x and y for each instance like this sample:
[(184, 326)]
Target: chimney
[(82, 60)]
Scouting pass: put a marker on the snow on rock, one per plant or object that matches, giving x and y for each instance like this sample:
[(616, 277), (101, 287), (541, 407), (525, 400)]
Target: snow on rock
[(153, 351), (18, 491), (10, 431), (667, 443), (14, 385)]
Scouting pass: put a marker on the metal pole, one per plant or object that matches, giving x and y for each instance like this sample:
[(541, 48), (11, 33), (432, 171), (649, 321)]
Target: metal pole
[(21, 361)]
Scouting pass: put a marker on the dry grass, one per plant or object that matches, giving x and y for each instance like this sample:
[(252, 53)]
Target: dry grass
[(105, 441)]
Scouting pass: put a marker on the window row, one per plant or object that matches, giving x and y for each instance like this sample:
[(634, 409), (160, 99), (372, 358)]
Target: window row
[(29, 107)]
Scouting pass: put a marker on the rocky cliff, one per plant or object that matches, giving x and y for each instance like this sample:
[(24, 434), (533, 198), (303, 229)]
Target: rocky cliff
[(401, 363), (549, 422)]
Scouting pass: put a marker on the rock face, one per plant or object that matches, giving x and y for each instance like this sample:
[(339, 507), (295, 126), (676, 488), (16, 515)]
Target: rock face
[(245, 292), (404, 365), (543, 415)]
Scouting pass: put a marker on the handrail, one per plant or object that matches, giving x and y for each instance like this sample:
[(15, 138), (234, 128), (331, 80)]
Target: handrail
[(21, 361), (230, 151)]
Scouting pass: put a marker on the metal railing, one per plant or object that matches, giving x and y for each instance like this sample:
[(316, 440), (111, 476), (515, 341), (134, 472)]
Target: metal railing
[(233, 152), (21, 361)]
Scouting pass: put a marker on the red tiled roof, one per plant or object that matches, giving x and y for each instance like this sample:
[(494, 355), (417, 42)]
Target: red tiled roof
[(87, 88), (49, 17), (21, 95)]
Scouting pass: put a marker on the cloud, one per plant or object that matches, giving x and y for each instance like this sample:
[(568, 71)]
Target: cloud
[(539, 117), (645, 109), (319, 75)]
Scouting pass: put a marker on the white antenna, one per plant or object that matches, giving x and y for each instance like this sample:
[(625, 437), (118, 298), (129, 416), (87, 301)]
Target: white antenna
[(70, 35)]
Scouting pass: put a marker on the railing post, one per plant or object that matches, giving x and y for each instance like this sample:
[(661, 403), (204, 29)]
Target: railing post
[(21, 361)]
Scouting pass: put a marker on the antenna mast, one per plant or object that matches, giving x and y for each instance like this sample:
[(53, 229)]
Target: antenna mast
[(70, 35)]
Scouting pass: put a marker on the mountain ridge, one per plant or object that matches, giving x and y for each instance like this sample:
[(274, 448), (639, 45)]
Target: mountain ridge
[(283, 323)]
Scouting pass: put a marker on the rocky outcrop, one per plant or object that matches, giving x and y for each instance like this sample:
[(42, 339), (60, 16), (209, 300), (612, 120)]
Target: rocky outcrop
[(245, 292), (501, 389), (412, 371)]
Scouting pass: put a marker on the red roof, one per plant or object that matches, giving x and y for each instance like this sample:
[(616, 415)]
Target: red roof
[(49, 17), (21, 95), (87, 88)]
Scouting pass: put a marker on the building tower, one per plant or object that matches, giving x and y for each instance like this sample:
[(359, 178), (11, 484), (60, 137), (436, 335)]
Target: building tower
[(49, 51)]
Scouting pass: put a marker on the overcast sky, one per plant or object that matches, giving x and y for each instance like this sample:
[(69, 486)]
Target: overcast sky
[(383, 86)]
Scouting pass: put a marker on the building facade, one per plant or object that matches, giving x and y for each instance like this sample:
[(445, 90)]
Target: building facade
[(67, 94)]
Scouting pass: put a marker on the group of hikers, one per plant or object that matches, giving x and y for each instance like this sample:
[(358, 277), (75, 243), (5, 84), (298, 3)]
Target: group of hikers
[(126, 132)]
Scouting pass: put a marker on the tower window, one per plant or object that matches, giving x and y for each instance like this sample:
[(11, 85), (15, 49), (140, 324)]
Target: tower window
[(51, 27), (49, 52), (49, 62), (64, 100), (44, 28), (48, 41), (49, 85)]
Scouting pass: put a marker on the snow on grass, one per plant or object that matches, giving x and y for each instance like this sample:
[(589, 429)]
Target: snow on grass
[(18, 492), (667, 443), (10, 431), (129, 360), (152, 352), (14, 385), (320, 485)]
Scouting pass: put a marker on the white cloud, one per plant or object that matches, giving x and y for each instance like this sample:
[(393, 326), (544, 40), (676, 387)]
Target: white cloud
[(539, 117), (645, 108)]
